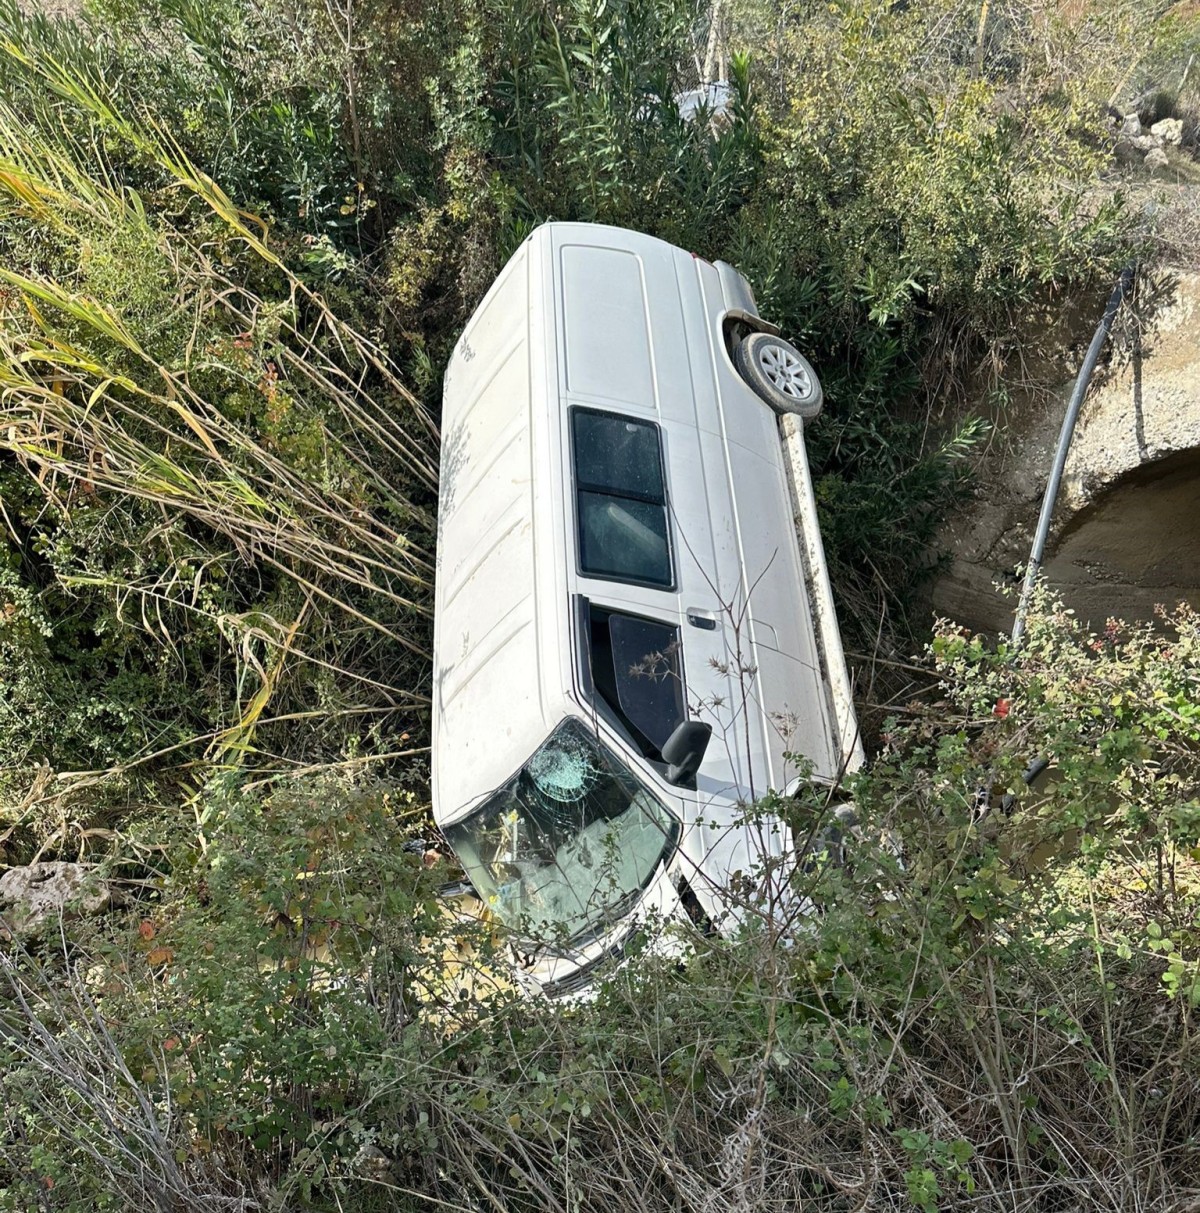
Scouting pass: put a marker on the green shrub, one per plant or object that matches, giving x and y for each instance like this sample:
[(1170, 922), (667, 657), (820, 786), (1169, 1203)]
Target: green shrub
[(234, 1013), (981, 1008), (923, 192)]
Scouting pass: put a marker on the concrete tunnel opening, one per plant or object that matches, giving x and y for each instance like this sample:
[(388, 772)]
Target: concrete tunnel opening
[(1134, 546), (1126, 535)]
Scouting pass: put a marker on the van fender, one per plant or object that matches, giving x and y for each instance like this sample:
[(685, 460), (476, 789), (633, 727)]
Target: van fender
[(752, 320), (740, 305)]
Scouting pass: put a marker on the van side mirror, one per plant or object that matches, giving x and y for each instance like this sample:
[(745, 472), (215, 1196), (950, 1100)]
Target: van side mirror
[(684, 750)]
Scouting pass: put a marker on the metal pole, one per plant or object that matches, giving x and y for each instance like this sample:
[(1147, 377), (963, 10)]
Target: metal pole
[(1082, 381)]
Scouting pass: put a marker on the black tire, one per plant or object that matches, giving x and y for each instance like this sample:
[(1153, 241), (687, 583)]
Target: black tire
[(780, 374)]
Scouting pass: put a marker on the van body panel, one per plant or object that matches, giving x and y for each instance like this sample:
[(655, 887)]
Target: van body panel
[(488, 689), (604, 311), (788, 682), (589, 317), (778, 700)]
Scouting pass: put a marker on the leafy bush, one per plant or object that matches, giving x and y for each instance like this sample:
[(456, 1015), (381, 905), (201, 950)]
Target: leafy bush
[(233, 1014), (930, 180), (989, 1007)]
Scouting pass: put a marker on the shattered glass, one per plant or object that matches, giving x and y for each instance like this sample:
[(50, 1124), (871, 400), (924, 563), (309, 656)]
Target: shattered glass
[(563, 850)]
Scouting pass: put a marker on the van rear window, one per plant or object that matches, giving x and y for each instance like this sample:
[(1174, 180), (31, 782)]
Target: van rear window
[(620, 498)]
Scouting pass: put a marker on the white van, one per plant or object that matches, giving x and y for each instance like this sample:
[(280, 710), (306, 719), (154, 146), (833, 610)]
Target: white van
[(634, 637)]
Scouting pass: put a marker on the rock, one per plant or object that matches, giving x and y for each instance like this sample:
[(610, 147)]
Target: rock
[(1156, 158), (1131, 126), (38, 894), (373, 1160), (1169, 130), (1146, 143)]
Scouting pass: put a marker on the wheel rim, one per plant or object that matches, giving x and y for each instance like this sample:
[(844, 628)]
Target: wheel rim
[(785, 371)]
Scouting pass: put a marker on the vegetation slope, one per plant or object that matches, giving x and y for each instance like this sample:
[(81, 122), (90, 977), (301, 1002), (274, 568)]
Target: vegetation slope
[(237, 242)]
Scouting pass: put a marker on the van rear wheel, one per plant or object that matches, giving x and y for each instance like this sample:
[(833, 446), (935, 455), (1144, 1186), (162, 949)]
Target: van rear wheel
[(780, 374)]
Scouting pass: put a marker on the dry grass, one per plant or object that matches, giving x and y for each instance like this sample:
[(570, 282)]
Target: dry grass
[(101, 418)]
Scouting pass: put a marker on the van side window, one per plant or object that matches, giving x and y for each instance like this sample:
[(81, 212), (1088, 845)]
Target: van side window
[(620, 498), (635, 671)]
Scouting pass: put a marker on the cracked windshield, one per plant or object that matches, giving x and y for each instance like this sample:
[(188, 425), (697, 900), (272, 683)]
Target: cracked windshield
[(564, 848)]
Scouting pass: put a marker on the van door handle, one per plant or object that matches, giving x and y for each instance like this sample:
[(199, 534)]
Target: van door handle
[(702, 619)]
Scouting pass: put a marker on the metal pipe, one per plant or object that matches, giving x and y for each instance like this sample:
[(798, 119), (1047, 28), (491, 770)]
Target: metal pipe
[(1082, 381)]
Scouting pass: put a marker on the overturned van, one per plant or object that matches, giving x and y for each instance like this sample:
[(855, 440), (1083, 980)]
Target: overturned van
[(634, 636)]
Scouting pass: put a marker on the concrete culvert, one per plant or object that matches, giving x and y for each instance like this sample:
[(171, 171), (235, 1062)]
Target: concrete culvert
[(1136, 545), (1125, 536)]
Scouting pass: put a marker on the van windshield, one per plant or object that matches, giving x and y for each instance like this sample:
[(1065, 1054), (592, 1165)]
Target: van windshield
[(565, 847)]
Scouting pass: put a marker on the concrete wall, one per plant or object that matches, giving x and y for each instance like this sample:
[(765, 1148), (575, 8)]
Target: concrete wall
[(1126, 533)]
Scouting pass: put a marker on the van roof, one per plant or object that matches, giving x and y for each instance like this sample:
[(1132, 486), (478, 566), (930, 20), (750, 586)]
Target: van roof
[(487, 694)]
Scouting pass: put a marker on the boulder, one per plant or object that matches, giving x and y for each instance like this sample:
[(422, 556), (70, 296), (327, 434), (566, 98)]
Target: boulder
[(1169, 130), (1131, 126), (1156, 158), (1147, 143), (39, 894)]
